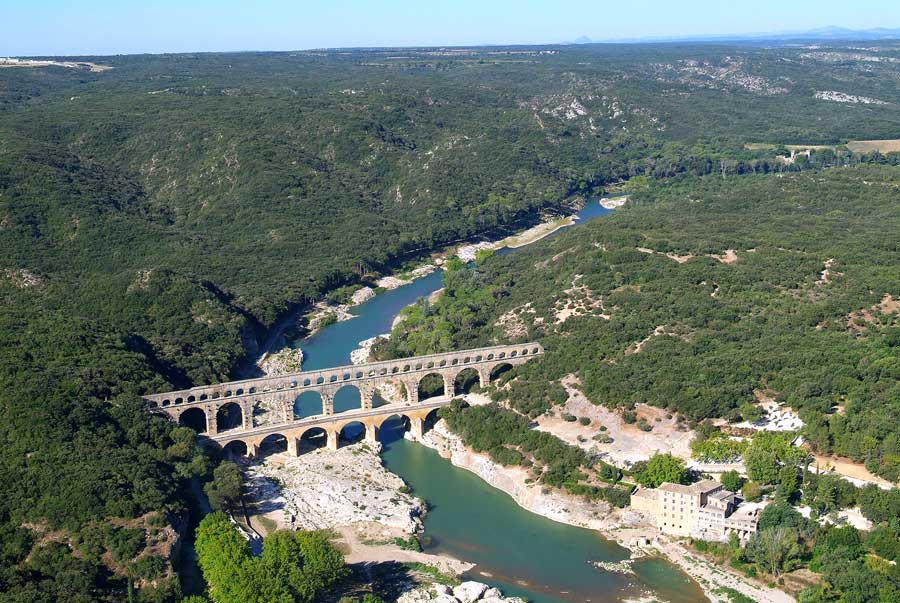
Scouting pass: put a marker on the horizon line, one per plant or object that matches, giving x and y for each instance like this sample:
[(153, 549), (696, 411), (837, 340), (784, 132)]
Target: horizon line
[(783, 36)]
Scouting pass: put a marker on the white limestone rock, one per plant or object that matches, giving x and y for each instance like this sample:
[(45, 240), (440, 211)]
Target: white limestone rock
[(361, 354), (326, 489), (282, 362), (469, 592), (362, 295)]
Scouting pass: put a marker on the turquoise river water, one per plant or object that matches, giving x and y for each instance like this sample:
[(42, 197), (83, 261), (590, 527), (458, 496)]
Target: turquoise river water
[(521, 553)]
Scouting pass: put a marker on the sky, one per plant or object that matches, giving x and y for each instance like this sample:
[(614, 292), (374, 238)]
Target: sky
[(88, 27)]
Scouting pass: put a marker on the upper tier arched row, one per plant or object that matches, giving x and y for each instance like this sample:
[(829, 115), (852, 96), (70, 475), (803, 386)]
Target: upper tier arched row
[(364, 376)]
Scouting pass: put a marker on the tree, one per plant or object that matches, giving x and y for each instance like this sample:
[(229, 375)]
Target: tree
[(732, 481), (750, 412), (788, 480), (774, 549), (780, 514), (761, 464), (224, 491), (224, 557), (663, 468), (323, 564), (827, 494), (294, 567)]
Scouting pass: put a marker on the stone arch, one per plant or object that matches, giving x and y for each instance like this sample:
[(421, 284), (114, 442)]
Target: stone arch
[(195, 418), (466, 380), (499, 369), (431, 418), (312, 439), (396, 417), (229, 416), (348, 397), (237, 448), (393, 427), (308, 404), (430, 386), (351, 432), (273, 444)]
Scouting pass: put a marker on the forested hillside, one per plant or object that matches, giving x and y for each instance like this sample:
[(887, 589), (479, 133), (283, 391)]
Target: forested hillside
[(699, 296), (156, 217), (701, 291)]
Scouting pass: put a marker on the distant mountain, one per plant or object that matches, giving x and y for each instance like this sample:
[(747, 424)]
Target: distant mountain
[(822, 33)]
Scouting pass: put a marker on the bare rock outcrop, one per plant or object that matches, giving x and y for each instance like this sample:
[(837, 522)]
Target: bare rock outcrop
[(467, 592), (282, 362), (324, 489)]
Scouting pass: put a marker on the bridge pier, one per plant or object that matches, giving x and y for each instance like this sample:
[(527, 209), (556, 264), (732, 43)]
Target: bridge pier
[(417, 427), (212, 426), (484, 377), (247, 415), (412, 391), (293, 446), (371, 434), (449, 385), (366, 395), (333, 439), (327, 402)]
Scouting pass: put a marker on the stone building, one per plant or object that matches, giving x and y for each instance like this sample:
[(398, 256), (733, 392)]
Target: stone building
[(702, 510)]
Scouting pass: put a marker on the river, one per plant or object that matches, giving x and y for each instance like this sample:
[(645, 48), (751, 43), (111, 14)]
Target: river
[(521, 553)]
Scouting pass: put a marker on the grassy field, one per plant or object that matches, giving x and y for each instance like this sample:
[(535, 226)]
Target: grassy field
[(866, 146), (765, 146), (856, 146)]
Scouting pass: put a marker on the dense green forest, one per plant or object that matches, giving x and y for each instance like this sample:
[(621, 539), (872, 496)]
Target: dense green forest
[(695, 297), (156, 217), (804, 309)]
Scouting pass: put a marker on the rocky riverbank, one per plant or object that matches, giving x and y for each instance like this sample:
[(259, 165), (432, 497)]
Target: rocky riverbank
[(363, 353), (327, 489), (467, 592), (614, 202), (370, 510), (533, 497), (631, 529), (282, 362)]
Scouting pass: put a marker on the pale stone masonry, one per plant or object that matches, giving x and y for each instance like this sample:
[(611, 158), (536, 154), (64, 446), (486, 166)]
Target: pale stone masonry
[(701, 510)]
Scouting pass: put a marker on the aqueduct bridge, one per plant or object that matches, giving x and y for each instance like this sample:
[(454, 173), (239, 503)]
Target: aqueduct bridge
[(263, 407)]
